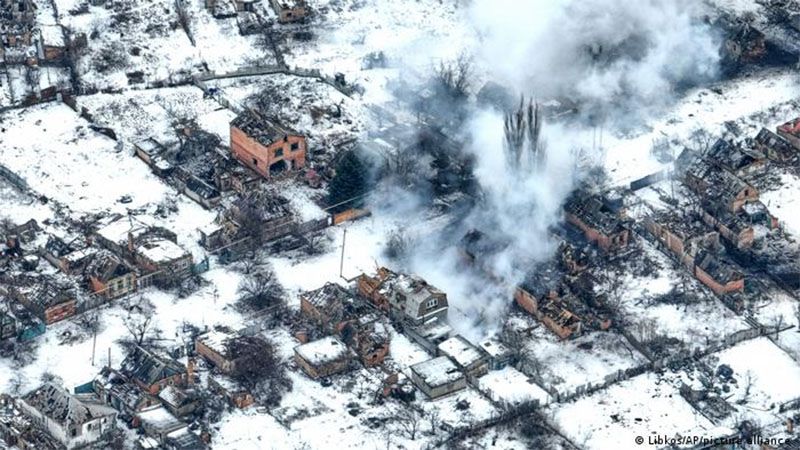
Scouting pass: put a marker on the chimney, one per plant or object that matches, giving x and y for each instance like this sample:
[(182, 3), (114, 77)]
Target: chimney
[(790, 425)]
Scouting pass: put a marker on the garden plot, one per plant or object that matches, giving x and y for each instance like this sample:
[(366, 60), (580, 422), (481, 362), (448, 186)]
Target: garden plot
[(784, 203), (696, 319), (348, 30), (567, 365), (762, 371), (130, 43), (137, 115), (642, 406), (512, 387)]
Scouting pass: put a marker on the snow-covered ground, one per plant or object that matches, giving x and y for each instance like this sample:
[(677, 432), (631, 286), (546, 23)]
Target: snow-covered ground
[(642, 406)]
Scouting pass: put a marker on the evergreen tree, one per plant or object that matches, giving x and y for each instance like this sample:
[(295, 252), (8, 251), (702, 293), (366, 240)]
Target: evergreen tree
[(350, 180)]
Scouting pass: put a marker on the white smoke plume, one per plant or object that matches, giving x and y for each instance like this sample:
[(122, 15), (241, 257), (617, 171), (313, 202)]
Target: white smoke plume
[(620, 58), (610, 52)]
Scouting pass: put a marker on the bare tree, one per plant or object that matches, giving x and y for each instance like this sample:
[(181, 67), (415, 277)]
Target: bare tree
[(409, 420), (522, 130), (259, 369), (455, 77), (139, 326), (260, 290), (433, 419)]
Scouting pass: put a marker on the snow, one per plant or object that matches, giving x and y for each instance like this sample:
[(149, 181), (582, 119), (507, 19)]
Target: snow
[(628, 158), (768, 367), (462, 351), (511, 386), (784, 203), (323, 351), (437, 371), (642, 406), (161, 250)]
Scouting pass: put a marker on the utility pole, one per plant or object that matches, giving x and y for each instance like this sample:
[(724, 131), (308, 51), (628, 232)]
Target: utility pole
[(341, 261), (94, 338)]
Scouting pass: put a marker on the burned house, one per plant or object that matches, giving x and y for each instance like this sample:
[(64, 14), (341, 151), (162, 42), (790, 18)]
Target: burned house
[(720, 276), (791, 132), (697, 248), (438, 377), (16, 240), (368, 337), (154, 154), (8, 324), (337, 311), (773, 146), (600, 219), (289, 11), (470, 359), (109, 276), (233, 391), (266, 147), (718, 189), (48, 297), (407, 297), (683, 235), (744, 44), (331, 307), (68, 257), (152, 372), (226, 349), (72, 422), (118, 392), (322, 358), (17, 20), (18, 431), (736, 159), (547, 297)]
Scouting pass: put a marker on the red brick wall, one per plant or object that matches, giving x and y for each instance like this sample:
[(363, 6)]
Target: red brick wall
[(259, 157)]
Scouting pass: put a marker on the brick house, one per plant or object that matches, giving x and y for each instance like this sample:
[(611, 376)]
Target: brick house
[(545, 295), (225, 349), (110, 276), (368, 337), (719, 276), (775, 147), (233, 391), (331, 307), (407, 297), (152, 372), (265, 147), (289, 11), (600, 220), (167, 258), (791, 132), (47, 297)]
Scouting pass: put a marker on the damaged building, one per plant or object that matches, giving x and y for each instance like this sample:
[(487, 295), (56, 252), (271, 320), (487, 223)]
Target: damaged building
[(600, 218), (698, 248), (546, 296), (266, 147), (407, 297)]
